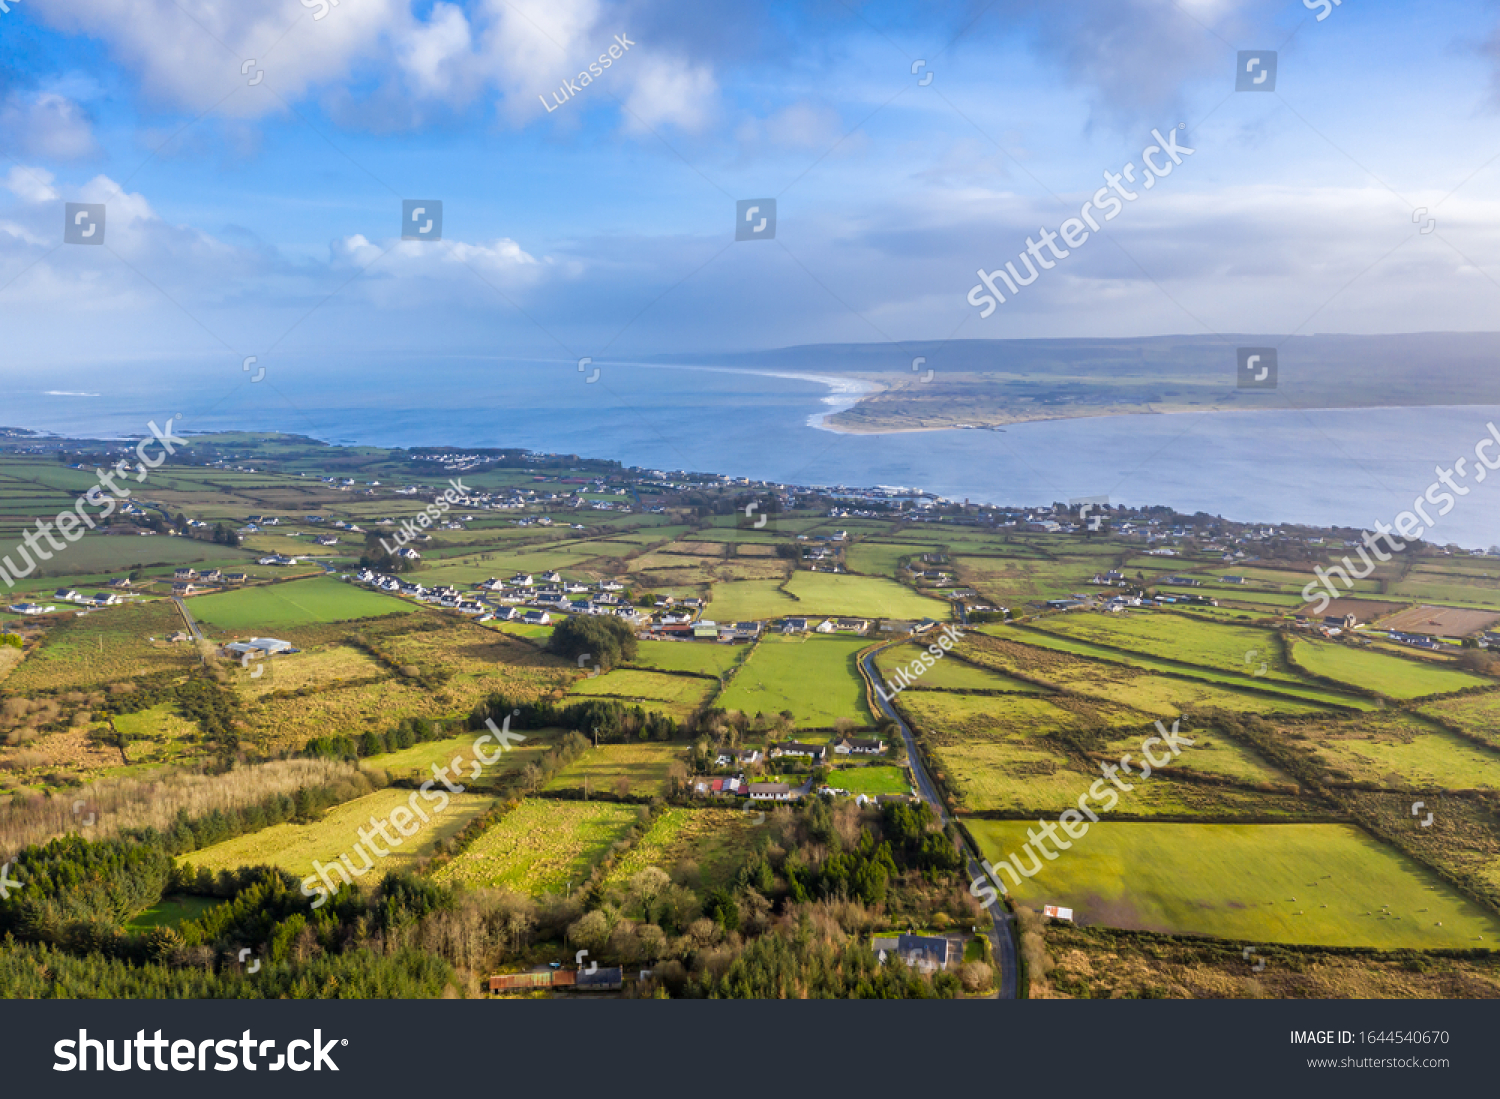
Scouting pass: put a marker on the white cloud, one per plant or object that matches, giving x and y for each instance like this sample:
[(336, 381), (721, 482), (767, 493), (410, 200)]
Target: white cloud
[(189, 55), (436, 54), (670, 90), (46, 124), (31, 184)]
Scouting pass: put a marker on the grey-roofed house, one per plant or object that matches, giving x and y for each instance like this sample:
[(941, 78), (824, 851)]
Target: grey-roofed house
[(925, 953)]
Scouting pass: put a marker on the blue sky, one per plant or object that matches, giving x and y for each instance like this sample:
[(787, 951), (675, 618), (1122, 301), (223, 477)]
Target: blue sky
[(264, 220)]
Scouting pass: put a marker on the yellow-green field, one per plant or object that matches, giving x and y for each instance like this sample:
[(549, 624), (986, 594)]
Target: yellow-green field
[(1242, 650), (828, 593), (642, 767), (263, 609), (715, 841), (1392, 676), (814, 677), (948, 674), (542, 846), (294, 847), (1313, 884), (708, 658), (1400, 753), (678, 695), (442, 753)]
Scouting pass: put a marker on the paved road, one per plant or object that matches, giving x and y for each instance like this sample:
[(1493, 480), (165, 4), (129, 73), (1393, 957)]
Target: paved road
[(1003, 941), (192, 623)]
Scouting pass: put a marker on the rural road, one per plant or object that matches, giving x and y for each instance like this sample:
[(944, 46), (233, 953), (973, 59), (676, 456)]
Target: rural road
[(192, 623), (1003, 940)]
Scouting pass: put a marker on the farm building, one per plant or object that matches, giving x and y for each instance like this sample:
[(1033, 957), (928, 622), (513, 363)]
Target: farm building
[(602, 979), (259, 647)]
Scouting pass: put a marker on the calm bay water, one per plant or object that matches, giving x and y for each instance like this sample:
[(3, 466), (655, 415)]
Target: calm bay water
[(1345, 467)]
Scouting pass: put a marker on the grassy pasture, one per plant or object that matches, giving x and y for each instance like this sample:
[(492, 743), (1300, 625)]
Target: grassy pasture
[(996, 752), (1313, 884), (871, 780), (1392, 676), (1441, 584), (1015, 581), (1399, 752), (321, 666), (816, 678), (159, 735), (745, 600), (642, 766), (1138, 686), (101, 557), (170, 911), (678, 695), (1478, 715), (948, 674), (826, 593), (294, 847), (542, 846), (442, 753), (262, 609), (1175, 637), (104, 647), (881, 558), (1196, 680), (716, 841), (708, 658)]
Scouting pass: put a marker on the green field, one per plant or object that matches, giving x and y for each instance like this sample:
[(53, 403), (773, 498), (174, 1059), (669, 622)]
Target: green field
[(752, 600), (105, 556), (714, 841), (441, 753), (294, 847), (1197, 682), (678, 695), (881, 558), (170, 911), (706, 658), (1398, 752), (1478, 715), (871, 780), (542, 846), (262, 609), (103, 647), (1013, 753), (1312, 884), (948, 674), (827, 593), (816, 678), (642, 767), (1392, 676), (1241, 650)]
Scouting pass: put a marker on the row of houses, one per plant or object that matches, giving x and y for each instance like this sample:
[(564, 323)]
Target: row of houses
[(737, 786), (450, 598), (1416, 640), (208, 575), (791, 749), (98, 599), (683, 627), (818, 753), (828, 625)]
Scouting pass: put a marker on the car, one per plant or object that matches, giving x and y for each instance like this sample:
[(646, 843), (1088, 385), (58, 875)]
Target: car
[(554, 965)]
